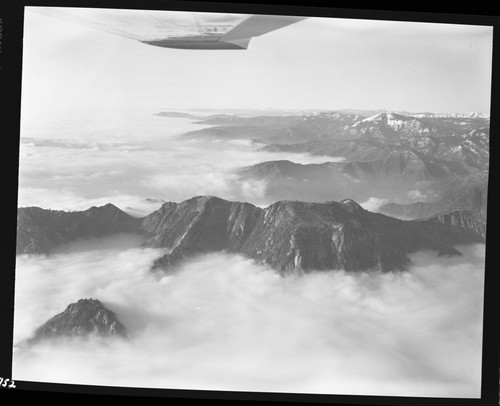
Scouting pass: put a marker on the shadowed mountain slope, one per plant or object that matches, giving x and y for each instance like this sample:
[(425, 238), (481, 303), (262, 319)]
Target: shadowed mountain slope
[(292, 235)]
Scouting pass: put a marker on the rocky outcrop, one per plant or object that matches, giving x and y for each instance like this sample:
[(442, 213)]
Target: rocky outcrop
[(458, 221), (200, 224), (300, 236), (41, 230), (87, 316), (290, 236)]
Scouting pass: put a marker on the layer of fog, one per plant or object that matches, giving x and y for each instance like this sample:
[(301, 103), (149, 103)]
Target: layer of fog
[(223, 322), (413, 196), (373, 204), (124, 157)]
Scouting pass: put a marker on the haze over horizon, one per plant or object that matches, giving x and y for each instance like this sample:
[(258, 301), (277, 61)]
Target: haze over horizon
[(318, 63)]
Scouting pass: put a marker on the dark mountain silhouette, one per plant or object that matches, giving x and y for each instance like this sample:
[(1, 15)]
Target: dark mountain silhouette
[(41, 230), (289, 235), (86, 316), (292, 235)]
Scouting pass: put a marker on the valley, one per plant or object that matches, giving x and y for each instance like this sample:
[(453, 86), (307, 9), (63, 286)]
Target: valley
[(409, 161)]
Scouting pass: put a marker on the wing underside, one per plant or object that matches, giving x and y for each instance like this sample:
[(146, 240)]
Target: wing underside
[(175, 29)]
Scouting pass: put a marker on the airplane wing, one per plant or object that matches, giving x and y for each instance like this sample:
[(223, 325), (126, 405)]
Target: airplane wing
[(175, 29)]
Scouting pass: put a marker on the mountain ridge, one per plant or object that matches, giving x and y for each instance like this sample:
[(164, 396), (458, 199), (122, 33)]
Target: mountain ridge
[(41, 230), (291, 236)]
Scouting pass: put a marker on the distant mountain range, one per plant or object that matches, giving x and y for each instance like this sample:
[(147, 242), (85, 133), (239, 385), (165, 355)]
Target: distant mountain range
[(471, 195), (274, 129), (387, 155), (242, 112), (395, 172), (290, 236), (454, 140)]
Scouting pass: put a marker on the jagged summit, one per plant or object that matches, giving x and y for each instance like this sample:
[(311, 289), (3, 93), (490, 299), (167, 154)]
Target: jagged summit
[(295, 235), (352, 206), (462, 219), (107, 206), (79, 319), (288, 235), (397, 123), (387, 116), (296, 205)]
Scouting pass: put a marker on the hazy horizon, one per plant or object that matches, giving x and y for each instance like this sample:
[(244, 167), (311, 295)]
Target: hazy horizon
[(317, 63)]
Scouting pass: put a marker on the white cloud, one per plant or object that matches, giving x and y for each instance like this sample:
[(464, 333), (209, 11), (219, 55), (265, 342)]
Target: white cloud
[(416, 195), (373, 204), (71, 200), (253, 190), (134, 156), (224, 322), (186, 184)]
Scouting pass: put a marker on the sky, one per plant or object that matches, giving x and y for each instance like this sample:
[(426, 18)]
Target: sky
[(317, 63)]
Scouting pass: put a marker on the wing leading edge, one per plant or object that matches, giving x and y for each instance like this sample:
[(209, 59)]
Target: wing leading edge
[(237, 38), (175, 29)]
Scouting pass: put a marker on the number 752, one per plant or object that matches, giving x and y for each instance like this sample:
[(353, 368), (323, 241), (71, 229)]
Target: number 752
[(5, 381)]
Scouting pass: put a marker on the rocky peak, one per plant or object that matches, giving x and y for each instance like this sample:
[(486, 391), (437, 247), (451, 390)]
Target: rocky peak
[(107, 211), (351, 206), (200, 224), (390, 126), (387, 118), (294, 235), (201, 203), (84, 305), (85, 317), (166, 207), (287, 235), (309, 212), (108, 207)]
